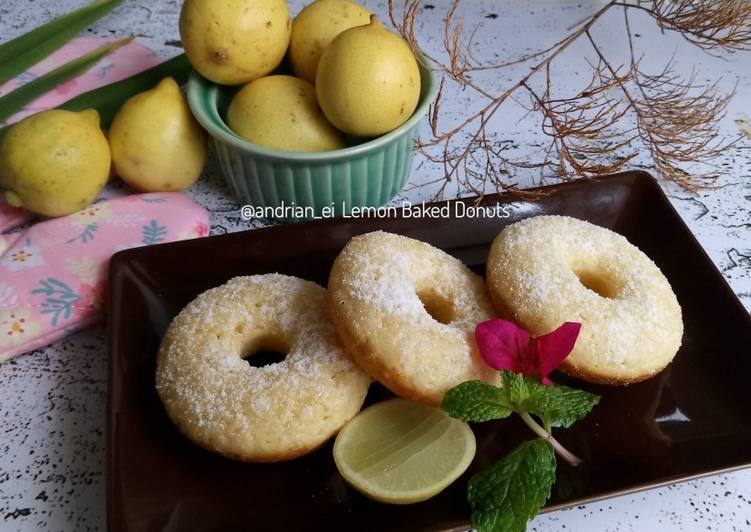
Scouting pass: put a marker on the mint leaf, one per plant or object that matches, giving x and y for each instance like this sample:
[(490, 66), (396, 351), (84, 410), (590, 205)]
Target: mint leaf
[(516, 387), (556, 405), (476, 401), (560, 406), (511, 492)]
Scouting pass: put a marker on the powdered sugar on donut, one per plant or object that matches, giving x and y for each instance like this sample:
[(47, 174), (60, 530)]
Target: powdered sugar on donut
[(258, 413), (539, 268), (407, 313)]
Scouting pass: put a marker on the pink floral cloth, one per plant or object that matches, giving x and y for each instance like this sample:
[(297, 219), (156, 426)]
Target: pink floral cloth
[(11, 217), (120, 64), (53, 275)]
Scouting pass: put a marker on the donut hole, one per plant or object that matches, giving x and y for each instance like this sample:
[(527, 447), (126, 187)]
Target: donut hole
[(265, 351), (601, 284), (437, 306)]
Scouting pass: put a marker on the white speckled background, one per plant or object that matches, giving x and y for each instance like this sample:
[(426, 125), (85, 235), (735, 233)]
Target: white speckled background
[(52, 401)]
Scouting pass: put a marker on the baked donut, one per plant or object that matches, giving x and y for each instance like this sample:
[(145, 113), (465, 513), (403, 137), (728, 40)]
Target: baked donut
[(258, 414), (407, 312), (547, 270)]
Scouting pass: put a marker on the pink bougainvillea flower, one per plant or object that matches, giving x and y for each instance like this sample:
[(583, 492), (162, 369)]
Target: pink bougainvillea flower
[(505, 345)]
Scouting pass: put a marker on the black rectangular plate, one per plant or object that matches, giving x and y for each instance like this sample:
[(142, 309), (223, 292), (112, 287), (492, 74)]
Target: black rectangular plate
[(692, 419)]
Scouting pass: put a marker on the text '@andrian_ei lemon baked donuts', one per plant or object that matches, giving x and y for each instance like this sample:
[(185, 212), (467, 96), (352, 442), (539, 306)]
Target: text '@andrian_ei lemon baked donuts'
[(547, 270), (407, 311), (265, 414)]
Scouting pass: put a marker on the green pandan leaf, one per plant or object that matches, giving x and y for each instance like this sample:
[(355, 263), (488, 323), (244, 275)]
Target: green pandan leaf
[(18, 54), (15, 100), (108, 99)]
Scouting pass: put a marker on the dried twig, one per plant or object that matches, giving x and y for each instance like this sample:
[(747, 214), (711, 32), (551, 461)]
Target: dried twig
[(713, 25), (676, 119)]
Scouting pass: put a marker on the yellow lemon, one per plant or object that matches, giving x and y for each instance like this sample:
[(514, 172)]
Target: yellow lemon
[(235, 41), (314, 29), (368, 81), (281, 112), (401, 452), (54, 162), (157, 145)]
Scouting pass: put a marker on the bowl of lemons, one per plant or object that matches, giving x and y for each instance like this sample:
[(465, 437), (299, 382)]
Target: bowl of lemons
[(322, 128)]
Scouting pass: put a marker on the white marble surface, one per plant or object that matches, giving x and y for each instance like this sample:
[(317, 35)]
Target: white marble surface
[(52, 401)]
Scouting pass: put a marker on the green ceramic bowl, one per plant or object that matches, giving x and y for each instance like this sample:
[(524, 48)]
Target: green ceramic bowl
[(367, 173)]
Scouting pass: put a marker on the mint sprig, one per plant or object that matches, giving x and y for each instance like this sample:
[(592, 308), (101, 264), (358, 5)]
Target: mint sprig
[(477, 401), (512, 491), (560, 406), (556, 405)]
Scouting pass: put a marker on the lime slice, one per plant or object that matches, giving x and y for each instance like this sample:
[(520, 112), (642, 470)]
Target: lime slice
[(401, 452)]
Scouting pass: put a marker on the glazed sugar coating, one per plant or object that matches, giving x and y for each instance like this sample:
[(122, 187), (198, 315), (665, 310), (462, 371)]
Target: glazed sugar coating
[(383, 289), (265, 414), (546, 270)]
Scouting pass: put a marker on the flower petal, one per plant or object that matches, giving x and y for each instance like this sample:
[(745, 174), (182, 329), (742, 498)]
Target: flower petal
[(503, 344), (554, 347)]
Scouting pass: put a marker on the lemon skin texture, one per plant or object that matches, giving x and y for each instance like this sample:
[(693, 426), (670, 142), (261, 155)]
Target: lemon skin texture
[(157, 145), (281, 112), (368, 81), (55, 162), (314, 29), (232, 42)]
